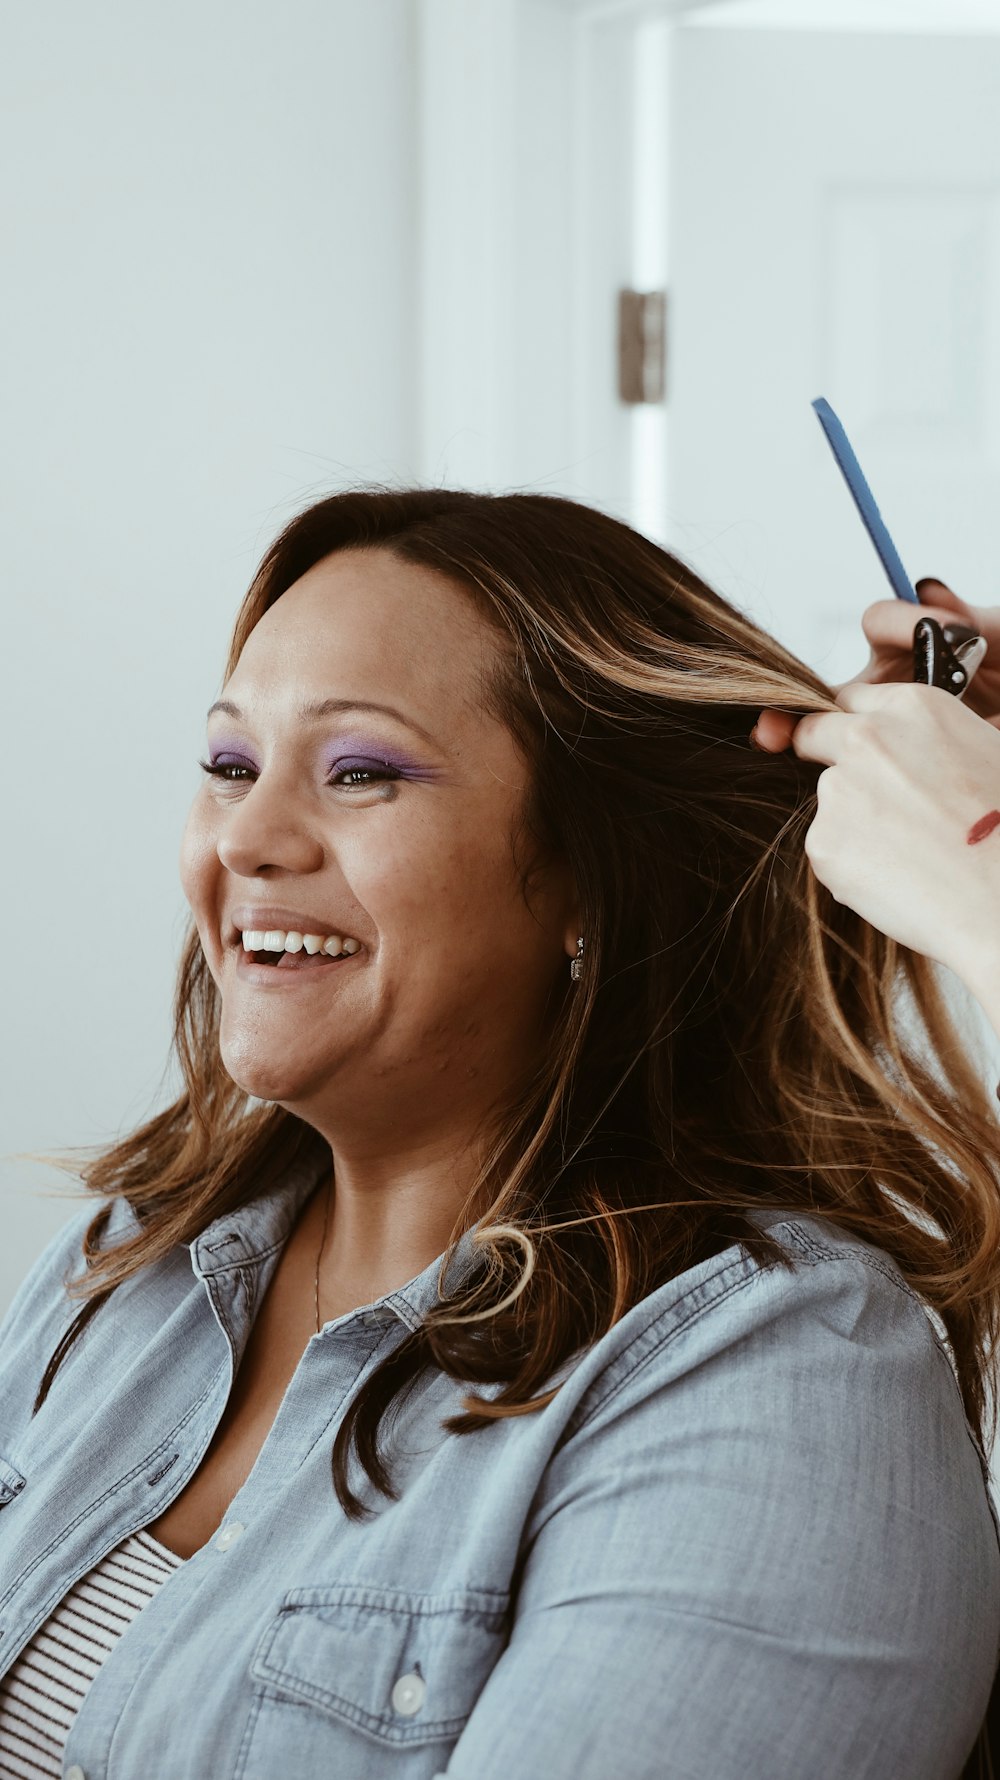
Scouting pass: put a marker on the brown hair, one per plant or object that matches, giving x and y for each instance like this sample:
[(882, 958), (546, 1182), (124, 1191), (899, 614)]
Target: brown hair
[(735, 1040)]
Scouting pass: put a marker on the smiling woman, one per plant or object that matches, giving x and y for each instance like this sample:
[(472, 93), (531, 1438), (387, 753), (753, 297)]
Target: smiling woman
[(574, 1140)]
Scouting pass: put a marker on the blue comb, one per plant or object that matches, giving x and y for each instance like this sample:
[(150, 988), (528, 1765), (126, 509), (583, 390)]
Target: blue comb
[(864, 500)]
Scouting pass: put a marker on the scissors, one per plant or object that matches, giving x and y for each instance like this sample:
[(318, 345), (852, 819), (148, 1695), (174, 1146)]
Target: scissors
[(943, 655)]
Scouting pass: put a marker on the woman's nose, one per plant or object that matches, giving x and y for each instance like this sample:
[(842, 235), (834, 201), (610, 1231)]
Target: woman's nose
[(269, 826)]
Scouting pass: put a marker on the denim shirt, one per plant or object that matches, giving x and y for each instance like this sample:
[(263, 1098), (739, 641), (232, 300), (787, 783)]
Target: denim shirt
[(751, 1534)]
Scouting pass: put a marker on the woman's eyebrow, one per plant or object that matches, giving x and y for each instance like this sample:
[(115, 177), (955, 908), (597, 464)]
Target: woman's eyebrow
[(328, 707)]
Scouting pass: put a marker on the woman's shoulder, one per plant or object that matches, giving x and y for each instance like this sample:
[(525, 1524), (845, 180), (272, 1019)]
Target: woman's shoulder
[(764, 1482), (736, 1290), (41, 1308), (821, 1385), (60, 1256), (832, 1331)]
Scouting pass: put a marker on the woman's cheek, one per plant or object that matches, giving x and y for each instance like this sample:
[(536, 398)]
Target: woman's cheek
[(403, 863), (198, 858)]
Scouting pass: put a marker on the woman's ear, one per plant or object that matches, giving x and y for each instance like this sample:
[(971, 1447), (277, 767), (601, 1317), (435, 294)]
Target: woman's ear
[(573, 933), (565, 899)]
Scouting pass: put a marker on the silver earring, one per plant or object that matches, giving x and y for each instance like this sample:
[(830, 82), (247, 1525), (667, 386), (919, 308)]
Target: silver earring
[(576, 964)]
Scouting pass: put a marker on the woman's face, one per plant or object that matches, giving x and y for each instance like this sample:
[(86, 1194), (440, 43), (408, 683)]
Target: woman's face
[(395, 830)]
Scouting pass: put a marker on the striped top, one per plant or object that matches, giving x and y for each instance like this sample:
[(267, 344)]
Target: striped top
[(41, 1693)]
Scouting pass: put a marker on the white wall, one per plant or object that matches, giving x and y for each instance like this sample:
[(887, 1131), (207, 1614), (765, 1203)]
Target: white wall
[(498, 149), (208, 319), (950, 18), (527, 148)]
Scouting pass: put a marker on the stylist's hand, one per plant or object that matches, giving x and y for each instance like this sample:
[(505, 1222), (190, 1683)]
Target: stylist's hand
[(888, 626), (912, 777)]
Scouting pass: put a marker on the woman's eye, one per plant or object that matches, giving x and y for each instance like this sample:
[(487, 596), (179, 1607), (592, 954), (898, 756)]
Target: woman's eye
[(221, 769), (364, 775), (361, 775)]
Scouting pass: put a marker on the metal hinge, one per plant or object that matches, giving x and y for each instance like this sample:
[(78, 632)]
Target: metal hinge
[(642, 345)]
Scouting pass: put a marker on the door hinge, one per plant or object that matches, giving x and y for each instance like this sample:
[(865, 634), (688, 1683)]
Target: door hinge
[(642, 345)]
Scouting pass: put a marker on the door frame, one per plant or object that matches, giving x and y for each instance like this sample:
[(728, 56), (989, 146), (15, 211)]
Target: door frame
[(515, 320)]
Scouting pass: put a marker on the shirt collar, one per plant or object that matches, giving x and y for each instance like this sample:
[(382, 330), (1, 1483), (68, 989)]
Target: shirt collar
[(258, 1230)]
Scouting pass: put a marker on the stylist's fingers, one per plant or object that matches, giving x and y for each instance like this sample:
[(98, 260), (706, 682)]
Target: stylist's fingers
[(889, 625), (832, 736), (773, 730), (820, 736), (933, 592)]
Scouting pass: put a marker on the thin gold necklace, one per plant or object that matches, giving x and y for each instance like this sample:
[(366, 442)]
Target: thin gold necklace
[(319, 1257)]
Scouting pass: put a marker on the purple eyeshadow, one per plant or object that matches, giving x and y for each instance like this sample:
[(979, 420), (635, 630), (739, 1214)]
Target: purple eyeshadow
[(344, 753), (230, 754), (356, 751)]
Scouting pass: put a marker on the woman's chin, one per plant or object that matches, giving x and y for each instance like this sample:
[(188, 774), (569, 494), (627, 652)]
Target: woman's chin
[(274, 1077)]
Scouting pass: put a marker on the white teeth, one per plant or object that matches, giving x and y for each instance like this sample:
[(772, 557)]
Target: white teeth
[(273, 940)]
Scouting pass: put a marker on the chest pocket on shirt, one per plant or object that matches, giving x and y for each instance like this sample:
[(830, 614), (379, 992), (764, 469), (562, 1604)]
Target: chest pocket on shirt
[(401, 1670), (11, 1482)]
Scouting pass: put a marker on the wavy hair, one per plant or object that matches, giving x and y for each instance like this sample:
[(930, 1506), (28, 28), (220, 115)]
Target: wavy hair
[(738, 1039)]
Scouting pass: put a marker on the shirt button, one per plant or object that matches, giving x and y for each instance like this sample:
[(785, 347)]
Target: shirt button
[(408, 1694), (228, 1537), (75, 1773)]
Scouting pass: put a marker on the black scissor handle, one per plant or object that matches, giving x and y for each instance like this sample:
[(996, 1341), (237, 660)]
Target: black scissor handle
[(935, 661)]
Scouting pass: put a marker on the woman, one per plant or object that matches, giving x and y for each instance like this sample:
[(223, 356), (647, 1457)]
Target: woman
[(578, 1365)]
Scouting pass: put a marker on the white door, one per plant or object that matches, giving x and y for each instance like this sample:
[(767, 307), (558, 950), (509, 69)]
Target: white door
[(834, 229)]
